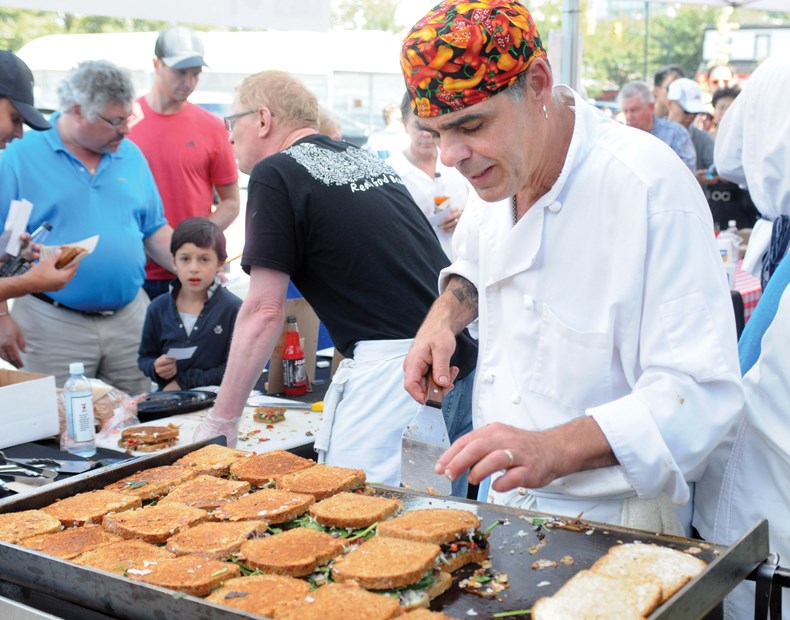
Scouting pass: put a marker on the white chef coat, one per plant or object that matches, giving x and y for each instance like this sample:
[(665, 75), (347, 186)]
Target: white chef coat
[(746, 480), (751, 149), (609, 299), (424, 188)]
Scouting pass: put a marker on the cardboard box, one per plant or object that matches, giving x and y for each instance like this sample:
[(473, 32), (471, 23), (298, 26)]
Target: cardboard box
[(28, 407)]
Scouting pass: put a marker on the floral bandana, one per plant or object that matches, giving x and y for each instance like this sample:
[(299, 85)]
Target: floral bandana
[(462, 53)]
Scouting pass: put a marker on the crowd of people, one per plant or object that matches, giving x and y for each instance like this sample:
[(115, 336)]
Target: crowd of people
[(604, 377)]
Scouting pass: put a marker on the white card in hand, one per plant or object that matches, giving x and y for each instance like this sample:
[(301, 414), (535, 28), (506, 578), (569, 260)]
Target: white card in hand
[(181, 353), (16, 222)]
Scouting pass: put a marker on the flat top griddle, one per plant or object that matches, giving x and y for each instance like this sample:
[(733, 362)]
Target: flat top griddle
[(513, 551)]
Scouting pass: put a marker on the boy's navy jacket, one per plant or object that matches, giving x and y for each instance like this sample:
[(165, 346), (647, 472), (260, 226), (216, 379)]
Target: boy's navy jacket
[(212, 333)]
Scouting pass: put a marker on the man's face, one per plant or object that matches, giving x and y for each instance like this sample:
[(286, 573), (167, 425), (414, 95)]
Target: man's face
[(496, 155), (676, 113), (10, 122), (720, 108), (176, 84), (421, 141), (721, 77), (638, 113), (105, 133), (660, 93), (248, 145)]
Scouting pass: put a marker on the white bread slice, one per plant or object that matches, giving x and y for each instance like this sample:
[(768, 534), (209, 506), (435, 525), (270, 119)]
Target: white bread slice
[(669, 567), (591, 596)]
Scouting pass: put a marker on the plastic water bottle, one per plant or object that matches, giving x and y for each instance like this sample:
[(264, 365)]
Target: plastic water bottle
[(80, 436)]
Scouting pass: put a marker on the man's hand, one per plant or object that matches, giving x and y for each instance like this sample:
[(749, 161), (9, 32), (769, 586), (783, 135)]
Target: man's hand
[(430, 350), (11, 341), (165, 367), (530, 459), (44, 276), (451, 221), (212, 426)]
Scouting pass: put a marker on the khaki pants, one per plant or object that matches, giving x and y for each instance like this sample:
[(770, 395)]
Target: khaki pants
[(55, 337)]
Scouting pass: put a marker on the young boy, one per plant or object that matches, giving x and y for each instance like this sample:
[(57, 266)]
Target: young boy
[(198, 312)]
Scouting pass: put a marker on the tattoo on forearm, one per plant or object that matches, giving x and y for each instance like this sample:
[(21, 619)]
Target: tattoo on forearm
[(465, 292)]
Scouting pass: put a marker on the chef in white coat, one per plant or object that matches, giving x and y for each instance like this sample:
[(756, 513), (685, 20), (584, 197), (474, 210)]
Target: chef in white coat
[(607, 369)]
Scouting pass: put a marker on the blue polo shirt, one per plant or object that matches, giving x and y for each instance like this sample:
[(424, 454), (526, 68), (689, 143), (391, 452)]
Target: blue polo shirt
[(678, 139), (120, 203)]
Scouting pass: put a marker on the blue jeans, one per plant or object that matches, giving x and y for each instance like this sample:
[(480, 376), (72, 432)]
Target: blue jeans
[(457, 411)]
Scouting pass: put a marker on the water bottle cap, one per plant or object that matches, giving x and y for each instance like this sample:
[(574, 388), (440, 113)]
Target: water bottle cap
[(732, 224), (292, 319), (76, 368)]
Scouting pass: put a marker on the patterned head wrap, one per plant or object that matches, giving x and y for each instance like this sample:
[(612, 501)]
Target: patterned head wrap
[(462, 53)]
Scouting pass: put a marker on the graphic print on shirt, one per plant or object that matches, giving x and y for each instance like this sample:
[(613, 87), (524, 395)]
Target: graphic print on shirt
[(357, 169)]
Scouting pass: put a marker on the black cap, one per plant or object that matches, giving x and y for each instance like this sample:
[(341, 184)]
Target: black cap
[(16, 85)]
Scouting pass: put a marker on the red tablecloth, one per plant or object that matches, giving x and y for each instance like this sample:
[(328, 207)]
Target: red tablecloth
[(749, 288)]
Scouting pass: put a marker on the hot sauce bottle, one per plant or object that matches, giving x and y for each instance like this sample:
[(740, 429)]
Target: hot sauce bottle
[(294, 372)]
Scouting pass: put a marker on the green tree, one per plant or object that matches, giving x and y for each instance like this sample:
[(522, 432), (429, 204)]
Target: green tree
[(366, 15)]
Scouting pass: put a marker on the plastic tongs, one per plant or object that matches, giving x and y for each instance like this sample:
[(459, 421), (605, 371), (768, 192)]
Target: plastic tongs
[(26, 474)]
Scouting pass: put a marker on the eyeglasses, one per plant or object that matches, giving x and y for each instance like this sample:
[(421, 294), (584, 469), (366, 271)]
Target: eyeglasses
[(118, 122), (230, 120)]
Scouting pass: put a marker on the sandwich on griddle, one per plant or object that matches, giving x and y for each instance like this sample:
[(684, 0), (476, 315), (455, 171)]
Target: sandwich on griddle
[(90, 507), (295, 553), (400, 568), (68, 544), (16, 526), (322, 481), (215, 540), (154, 524), (268, 505), (212, 460), (350, 515), (189, 574), (118, 557), (152, 483), (340, 601), (260, 470), (456, 531), (260, 594), (206, 492)]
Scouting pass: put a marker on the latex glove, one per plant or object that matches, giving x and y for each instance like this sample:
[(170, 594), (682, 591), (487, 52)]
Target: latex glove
[(212, 426)]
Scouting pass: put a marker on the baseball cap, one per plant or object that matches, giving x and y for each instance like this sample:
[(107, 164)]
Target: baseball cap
[(688, 94), (16, 85), (179, 48)]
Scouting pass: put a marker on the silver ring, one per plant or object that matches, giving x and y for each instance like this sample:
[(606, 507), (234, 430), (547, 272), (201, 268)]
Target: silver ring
[(510, 459)]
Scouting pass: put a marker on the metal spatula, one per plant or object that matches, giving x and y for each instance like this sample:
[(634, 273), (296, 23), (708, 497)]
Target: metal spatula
[(424, 441)]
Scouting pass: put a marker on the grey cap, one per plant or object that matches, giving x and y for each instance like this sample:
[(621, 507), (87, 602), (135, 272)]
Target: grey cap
[(179, 48), (16, 85)]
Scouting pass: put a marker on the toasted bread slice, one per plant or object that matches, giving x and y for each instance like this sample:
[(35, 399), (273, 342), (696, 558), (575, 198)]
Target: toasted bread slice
[(386, 563), (212, 460), (295, 553), (354, 510), (434, 525), (91, 507), (591, 596), (189, 574), (268, 505), (416, 598), (154, 524), (120, 556), (148, 438), (260, 594), (340, 601), (215, 541), (261, 469), (670, 567), (16, 526), (152, 483), (68, 544), (206, 492), (321, 481)]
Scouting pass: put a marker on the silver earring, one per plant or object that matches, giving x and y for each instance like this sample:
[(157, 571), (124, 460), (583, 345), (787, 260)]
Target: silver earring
[(545, 112)]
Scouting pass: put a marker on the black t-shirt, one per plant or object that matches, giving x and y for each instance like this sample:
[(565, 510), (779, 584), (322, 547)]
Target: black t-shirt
[(341, 223), (728, 202)]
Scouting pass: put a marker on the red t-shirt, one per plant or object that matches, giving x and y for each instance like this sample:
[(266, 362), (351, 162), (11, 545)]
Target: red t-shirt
[(189, 153)]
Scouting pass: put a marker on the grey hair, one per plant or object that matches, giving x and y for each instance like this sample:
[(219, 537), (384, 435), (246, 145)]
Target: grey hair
[(517, 89), (637, 87), (95, 84)]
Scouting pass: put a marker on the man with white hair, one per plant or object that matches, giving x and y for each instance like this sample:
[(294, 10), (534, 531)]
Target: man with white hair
[(85, 179)]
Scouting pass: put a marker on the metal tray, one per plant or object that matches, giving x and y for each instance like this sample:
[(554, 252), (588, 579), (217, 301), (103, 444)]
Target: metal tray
[(114, 596)]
